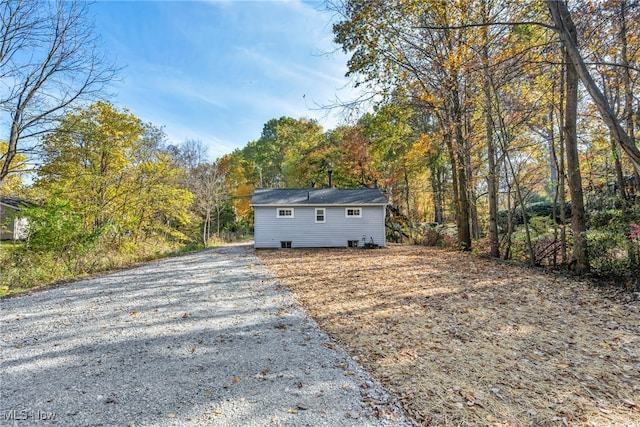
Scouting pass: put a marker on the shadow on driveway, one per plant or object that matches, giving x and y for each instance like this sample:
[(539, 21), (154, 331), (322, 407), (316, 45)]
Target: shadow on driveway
[(203, 339)]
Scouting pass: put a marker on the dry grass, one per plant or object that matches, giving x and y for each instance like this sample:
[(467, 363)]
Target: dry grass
[(462, 340)]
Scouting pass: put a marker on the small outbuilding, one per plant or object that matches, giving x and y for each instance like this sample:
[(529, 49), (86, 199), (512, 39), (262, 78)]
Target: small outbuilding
[(319, 218), (12, 225)]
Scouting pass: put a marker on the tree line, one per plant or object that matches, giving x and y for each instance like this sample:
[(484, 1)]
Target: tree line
[(514, 122)]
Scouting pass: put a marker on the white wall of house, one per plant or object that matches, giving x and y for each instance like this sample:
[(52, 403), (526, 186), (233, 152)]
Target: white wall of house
[(12, 228), (304, 230)]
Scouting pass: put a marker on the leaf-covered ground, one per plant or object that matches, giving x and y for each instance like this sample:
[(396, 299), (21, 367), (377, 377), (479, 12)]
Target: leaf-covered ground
[(463, 340)]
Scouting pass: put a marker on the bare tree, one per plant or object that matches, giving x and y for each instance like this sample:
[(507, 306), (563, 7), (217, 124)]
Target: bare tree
[(208, 184), (189, 154), (49, 61)]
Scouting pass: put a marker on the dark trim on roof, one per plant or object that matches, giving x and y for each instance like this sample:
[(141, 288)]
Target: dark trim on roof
[(318, 196), (15, 202)]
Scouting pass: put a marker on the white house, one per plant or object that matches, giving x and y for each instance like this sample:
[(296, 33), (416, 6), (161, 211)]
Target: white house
[(318, 217), (12, 225)]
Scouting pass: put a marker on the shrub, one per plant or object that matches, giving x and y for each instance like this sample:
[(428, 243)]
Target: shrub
[(57, 229)]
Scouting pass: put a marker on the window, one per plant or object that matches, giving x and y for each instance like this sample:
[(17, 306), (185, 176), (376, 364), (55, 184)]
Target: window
[(285, 212), (320, 215), (285, 244), (353, 212), (352, 243)]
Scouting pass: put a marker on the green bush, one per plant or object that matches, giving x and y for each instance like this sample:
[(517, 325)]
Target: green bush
[(614, 240), (57, 229)]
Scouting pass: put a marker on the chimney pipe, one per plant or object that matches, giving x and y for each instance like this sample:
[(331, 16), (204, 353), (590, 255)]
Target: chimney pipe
[(330, 173)]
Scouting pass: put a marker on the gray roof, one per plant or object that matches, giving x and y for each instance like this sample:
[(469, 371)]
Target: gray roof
[(14, 202), (317, 196)]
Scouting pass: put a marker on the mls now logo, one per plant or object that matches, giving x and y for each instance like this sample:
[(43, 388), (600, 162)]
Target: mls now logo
[(27, 414)]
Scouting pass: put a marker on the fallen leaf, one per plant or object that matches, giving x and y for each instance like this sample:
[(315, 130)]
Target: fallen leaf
[(629, 403), (535, 340), (236, 380), (185, 315)]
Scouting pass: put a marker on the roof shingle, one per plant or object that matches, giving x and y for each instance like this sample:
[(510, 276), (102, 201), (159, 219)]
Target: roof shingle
[(317, 196)]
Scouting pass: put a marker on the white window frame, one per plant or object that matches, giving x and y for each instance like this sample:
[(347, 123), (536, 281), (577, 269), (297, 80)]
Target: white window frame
[(324, 215), (279, 212), (346, 212)]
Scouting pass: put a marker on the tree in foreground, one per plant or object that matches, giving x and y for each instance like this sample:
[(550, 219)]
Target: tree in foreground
[(116, 172)]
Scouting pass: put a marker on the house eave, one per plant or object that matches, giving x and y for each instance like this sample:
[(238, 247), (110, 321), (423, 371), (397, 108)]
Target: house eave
[(327, 205)]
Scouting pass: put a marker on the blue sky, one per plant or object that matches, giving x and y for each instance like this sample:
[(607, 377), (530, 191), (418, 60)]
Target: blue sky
[(217, 71)]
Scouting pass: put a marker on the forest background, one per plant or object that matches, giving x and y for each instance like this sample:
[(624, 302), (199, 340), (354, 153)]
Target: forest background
[(490, 125)]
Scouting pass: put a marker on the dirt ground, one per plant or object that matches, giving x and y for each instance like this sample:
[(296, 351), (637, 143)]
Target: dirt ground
[(463, 340)]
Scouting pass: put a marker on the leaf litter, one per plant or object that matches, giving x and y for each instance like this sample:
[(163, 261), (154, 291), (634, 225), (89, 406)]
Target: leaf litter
[(465, 340)]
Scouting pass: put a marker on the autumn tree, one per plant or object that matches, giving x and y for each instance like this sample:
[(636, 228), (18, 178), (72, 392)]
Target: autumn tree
[(565, 28), (392, 48), (14, 179), (49, 61), (612, 51), (273, 160), (115, 171)]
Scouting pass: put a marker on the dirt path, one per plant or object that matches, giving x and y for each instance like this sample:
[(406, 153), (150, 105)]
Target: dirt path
[(469, 341), (204, 339)]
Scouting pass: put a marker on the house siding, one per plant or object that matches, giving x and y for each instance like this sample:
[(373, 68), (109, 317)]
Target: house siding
[(304, 232), (12, 229)]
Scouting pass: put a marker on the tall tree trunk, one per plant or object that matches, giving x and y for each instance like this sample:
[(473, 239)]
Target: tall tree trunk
[(562, 171), (206, 229), (620, 183), (578, 215), (628, 96), (492, 184), (506, 253), (567, 32), (626, 73), (407, 199), (218, 212), (463, 219), (459, 191), (474, 222), (462, 207), (436, 188), (554, 182)]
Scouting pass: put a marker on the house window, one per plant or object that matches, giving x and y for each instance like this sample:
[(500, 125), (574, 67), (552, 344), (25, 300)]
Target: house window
[(285, 212), (285, 244), (353, 212), (320, 215)]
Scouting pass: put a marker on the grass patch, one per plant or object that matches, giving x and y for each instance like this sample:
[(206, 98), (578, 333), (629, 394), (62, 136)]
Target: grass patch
[(23, 270)]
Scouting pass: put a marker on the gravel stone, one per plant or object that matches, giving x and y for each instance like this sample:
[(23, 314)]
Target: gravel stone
[(204, 339)]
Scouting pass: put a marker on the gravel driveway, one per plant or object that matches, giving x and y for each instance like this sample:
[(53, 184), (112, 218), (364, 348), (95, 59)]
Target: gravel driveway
[(204, 339)]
